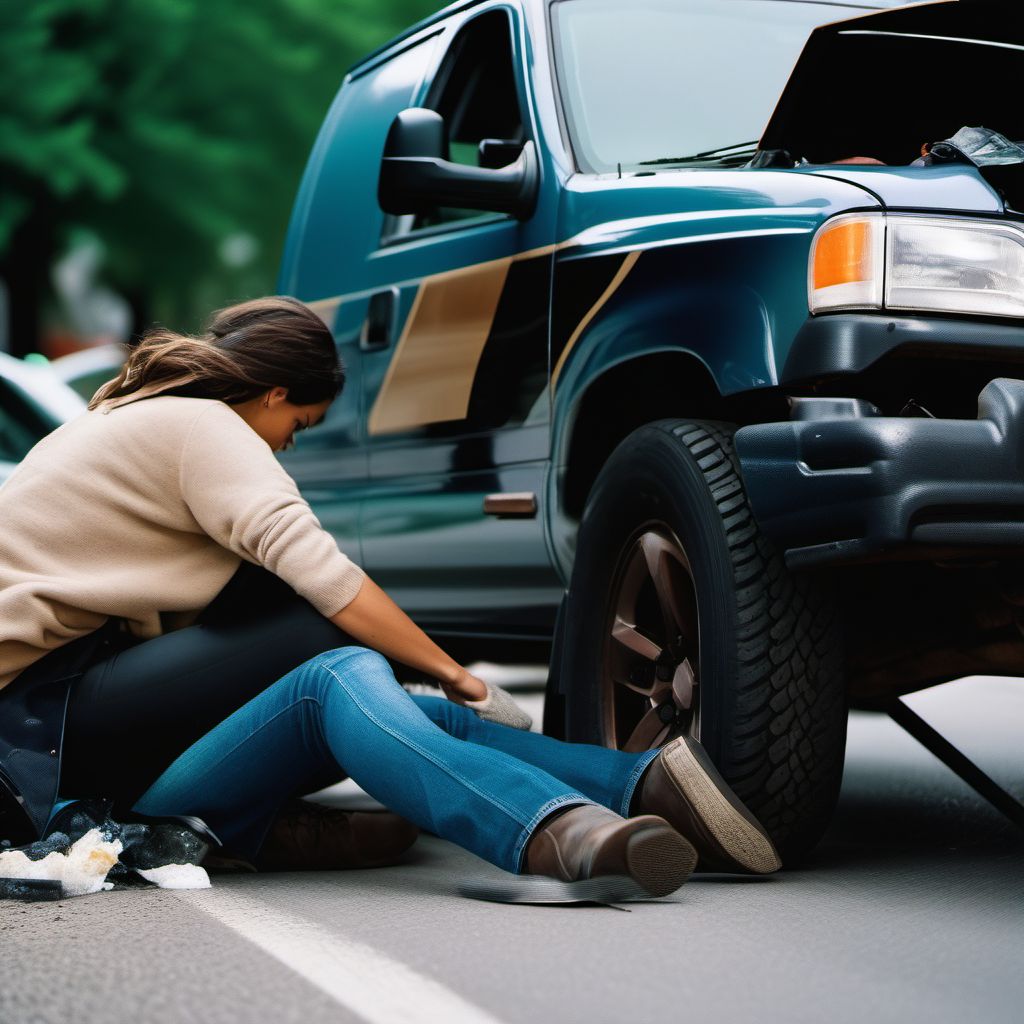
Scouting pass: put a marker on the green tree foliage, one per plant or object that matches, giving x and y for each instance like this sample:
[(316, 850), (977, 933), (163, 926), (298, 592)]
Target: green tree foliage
[(165, 127)]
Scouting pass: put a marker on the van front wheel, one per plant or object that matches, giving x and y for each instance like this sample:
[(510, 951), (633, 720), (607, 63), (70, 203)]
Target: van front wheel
[(682, 618)]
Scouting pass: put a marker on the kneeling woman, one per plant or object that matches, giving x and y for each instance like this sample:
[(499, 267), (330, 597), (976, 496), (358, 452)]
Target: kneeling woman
[(180, 634)]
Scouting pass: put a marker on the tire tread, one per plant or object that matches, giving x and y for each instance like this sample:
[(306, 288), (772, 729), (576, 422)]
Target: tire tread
[(790, 664)]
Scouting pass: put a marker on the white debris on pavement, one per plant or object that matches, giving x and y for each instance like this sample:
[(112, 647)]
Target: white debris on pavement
[(176, 876), (83, 868), (80, 871)]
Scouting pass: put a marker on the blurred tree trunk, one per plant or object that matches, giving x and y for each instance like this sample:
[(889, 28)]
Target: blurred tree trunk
[(138, 300), (25, 266)]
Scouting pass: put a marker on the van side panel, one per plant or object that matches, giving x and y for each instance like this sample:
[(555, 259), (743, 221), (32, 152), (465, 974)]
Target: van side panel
[(336, 220)]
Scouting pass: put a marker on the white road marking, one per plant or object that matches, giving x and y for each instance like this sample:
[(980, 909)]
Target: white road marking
[(363, 980)]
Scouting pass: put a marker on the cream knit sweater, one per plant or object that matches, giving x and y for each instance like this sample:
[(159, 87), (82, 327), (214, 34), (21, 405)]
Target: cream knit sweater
[(143, 510)]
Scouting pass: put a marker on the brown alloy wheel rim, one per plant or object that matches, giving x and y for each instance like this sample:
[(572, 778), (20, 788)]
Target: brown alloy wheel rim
[(650, 648)]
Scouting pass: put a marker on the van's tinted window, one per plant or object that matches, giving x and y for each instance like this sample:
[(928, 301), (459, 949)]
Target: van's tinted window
[(676, 78)]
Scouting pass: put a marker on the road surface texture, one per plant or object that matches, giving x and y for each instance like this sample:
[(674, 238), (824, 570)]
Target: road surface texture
[(912, 909)]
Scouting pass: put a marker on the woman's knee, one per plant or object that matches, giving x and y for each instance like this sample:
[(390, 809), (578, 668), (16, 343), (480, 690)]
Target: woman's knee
[(357, 664), (355, 668), (358, 668)]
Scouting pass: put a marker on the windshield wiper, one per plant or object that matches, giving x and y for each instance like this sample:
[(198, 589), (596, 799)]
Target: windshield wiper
[(740, 152)]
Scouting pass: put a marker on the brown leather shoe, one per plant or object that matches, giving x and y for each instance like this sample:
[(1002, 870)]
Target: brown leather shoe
[(221, 862), (683, 786), (306, 836), (587, 841)]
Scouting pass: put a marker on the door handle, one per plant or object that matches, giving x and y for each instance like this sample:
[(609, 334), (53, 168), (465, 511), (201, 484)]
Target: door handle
[(380, 323), (511, 504)]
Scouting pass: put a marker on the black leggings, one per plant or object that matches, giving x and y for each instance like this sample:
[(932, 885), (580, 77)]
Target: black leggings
[(141, 704)]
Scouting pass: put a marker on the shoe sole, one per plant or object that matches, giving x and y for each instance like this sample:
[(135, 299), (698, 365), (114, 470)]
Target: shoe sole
[(733, 827), (659, 859)]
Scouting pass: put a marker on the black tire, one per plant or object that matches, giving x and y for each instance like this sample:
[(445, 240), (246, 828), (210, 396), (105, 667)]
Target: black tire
[(770, 704)]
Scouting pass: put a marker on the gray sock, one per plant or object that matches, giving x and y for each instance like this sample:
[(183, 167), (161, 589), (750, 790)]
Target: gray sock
[(499, 706)]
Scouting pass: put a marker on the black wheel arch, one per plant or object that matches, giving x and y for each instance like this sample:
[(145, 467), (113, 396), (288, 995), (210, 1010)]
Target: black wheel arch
[(638, 391)]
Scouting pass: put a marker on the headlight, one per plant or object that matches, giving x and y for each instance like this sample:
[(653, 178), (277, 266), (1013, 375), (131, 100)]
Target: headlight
[(932, 264)]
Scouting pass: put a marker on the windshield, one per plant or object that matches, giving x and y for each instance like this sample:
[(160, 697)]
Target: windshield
[(692, 82)]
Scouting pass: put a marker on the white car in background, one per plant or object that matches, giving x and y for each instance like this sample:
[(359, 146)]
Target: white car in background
[(33, 401)]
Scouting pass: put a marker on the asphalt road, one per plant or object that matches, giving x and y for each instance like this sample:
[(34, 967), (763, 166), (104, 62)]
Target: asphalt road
[(912, 909)]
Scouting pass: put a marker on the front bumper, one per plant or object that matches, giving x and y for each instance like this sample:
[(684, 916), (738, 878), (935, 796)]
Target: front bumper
[(849, 484), (836, 344)]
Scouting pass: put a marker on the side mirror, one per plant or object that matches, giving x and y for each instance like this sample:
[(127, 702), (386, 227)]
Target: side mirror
[(415, 176)]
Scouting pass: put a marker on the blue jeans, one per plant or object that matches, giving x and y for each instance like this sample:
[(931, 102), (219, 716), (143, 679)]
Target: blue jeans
[(481, 785)]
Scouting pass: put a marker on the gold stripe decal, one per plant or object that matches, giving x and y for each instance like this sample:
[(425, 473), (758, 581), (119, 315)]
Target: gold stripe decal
[(430, 376), (620, 275)]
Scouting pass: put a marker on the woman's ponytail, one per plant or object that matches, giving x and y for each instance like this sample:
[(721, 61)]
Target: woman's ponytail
[(247, 348)]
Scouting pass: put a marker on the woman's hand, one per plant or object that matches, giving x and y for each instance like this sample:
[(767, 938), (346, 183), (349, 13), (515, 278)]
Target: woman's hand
[(465, 686), (500, 706)]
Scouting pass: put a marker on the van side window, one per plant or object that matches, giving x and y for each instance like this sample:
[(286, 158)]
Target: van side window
[(475, 92)]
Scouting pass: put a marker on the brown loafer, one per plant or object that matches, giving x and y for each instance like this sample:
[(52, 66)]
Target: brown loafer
[(683, 786), (642, 855), (306, 836), (221, 862)]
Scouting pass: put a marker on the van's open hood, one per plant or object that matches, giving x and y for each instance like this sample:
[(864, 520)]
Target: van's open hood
[(885, 84)]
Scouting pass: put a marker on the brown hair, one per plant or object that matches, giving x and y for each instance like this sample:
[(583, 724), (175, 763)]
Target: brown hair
[(247, 349)]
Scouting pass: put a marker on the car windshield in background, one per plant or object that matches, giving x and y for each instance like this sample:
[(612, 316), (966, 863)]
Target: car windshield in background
[(689, 82)]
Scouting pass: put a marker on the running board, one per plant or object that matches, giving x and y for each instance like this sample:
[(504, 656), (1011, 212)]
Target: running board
[(961, 765)]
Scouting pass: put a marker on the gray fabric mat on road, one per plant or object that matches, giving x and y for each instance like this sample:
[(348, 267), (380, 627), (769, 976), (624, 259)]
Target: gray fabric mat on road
[(606, 890)]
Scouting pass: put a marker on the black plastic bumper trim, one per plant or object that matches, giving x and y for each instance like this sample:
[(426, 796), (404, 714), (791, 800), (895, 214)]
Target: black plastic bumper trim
[(833, 489), (840, 343)]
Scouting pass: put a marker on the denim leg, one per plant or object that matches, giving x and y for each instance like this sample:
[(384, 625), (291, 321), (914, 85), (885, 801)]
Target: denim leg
[(607, 776), (345, 709)]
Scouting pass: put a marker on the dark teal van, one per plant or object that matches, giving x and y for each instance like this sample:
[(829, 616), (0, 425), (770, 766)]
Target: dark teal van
[(679, 357)]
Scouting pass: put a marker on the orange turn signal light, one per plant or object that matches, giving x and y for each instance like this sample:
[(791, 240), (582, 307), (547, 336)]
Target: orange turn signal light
[(843, 254), (846, 262)]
